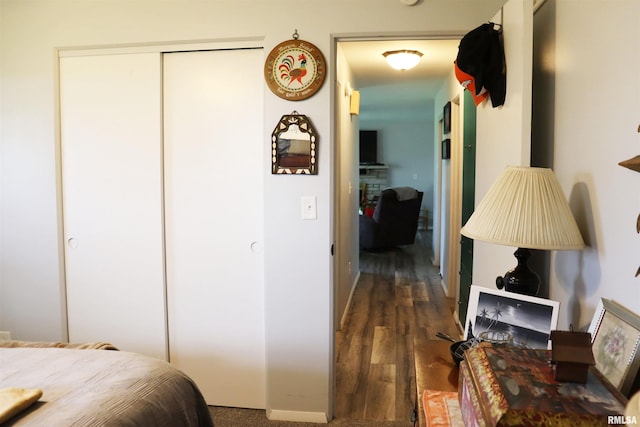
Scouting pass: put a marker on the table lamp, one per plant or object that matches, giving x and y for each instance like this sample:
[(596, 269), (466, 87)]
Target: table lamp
[(525, 208)]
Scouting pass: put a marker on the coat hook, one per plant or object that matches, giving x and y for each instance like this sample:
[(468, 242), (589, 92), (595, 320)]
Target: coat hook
[(501, 21)]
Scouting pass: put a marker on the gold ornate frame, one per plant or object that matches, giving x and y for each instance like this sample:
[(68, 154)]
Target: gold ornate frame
[(294, 146)]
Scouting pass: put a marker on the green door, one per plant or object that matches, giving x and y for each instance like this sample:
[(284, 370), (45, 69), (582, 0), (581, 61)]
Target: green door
[(468, 201)]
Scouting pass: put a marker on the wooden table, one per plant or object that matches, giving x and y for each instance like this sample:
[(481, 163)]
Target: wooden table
[(435, 370)]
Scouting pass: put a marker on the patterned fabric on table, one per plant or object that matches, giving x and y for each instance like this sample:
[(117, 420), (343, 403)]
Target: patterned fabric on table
[(517, 387)]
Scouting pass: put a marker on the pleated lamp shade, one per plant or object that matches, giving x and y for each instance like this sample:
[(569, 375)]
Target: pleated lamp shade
[(525, 208)]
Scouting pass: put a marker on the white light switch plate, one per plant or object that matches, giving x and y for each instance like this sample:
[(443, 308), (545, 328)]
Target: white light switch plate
[(308, 205)]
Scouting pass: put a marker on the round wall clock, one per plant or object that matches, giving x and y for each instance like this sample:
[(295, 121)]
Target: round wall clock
[(295, 70)]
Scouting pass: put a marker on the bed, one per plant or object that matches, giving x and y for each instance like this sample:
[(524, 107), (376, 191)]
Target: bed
[(84, 385)]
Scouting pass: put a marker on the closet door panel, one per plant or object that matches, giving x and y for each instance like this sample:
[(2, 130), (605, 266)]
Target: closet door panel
[(214, 166), (112, 200)]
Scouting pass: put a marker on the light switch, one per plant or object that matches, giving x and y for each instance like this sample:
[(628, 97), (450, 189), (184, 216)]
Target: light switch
[(308, 206)]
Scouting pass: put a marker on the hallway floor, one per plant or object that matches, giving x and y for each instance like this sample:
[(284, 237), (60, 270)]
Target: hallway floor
[(398, 296)]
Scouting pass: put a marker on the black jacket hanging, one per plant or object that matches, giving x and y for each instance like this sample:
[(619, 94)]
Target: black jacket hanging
[(480, 65)]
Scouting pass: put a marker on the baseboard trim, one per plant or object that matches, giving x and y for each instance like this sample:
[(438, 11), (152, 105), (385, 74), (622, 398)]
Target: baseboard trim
[(348, 305), (297, 416), (456, 319), (444, 286)]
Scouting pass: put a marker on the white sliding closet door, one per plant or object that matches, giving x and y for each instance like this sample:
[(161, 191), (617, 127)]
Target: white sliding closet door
[(112, 200), (214, 166)]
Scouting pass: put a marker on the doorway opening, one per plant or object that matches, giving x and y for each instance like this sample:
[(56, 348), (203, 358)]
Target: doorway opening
[(406, 111)]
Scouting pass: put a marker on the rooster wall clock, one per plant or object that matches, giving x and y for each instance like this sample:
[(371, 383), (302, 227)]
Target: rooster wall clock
[(295, 69)]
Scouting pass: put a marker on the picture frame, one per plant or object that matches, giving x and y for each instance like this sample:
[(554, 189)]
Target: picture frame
[(294, 146), (446, 118), (446, 149), (521, 320), (615, 341)]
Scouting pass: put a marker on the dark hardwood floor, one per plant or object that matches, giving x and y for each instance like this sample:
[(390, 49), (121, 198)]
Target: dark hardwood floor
[(398, 296)]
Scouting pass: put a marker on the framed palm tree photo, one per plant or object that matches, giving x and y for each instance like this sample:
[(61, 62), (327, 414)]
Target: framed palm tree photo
[(510, 318)]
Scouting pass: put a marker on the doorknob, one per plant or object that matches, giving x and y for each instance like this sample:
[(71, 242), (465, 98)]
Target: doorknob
[(72, 242)]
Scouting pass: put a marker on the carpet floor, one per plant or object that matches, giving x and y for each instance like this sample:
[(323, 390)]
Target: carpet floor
[(236, 417)]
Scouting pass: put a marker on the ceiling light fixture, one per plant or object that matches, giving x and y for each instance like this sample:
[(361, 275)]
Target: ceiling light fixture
[(402, 59)]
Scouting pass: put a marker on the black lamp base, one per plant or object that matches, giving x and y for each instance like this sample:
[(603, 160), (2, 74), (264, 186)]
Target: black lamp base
[(521, 279)]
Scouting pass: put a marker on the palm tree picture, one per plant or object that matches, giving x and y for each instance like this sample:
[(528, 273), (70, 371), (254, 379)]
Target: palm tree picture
[(496, 313), (528, 320), (484, 314)]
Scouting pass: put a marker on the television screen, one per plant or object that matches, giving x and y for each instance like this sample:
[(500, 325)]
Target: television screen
[(368, 147)]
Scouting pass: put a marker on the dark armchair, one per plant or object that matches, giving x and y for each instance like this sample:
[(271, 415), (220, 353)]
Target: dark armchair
[(394, 221)]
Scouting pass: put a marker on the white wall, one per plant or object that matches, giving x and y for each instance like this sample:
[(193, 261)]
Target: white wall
[(407, 148), (298, 265), (347, 261), (589, 106), (503, 134), (450, 91)]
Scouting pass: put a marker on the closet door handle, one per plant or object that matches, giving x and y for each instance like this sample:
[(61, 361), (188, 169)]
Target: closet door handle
[(256, 247)]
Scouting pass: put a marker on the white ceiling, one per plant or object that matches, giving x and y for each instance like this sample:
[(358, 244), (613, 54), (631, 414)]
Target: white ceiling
[(388, 92)]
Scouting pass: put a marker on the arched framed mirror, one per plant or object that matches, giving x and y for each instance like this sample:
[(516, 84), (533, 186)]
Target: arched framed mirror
[(294, 146)]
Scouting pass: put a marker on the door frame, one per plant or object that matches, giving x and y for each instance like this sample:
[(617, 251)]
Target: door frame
[(339, 228), (467, 201), (455, 203)]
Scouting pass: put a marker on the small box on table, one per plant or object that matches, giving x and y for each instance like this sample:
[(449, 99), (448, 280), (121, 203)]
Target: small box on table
[(504, 386), (572, 355)]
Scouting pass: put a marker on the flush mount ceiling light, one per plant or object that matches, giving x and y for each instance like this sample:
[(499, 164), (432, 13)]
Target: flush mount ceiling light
[(402, 59)]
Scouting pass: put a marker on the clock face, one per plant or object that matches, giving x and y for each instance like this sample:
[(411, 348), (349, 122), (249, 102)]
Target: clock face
[(295, 70)]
